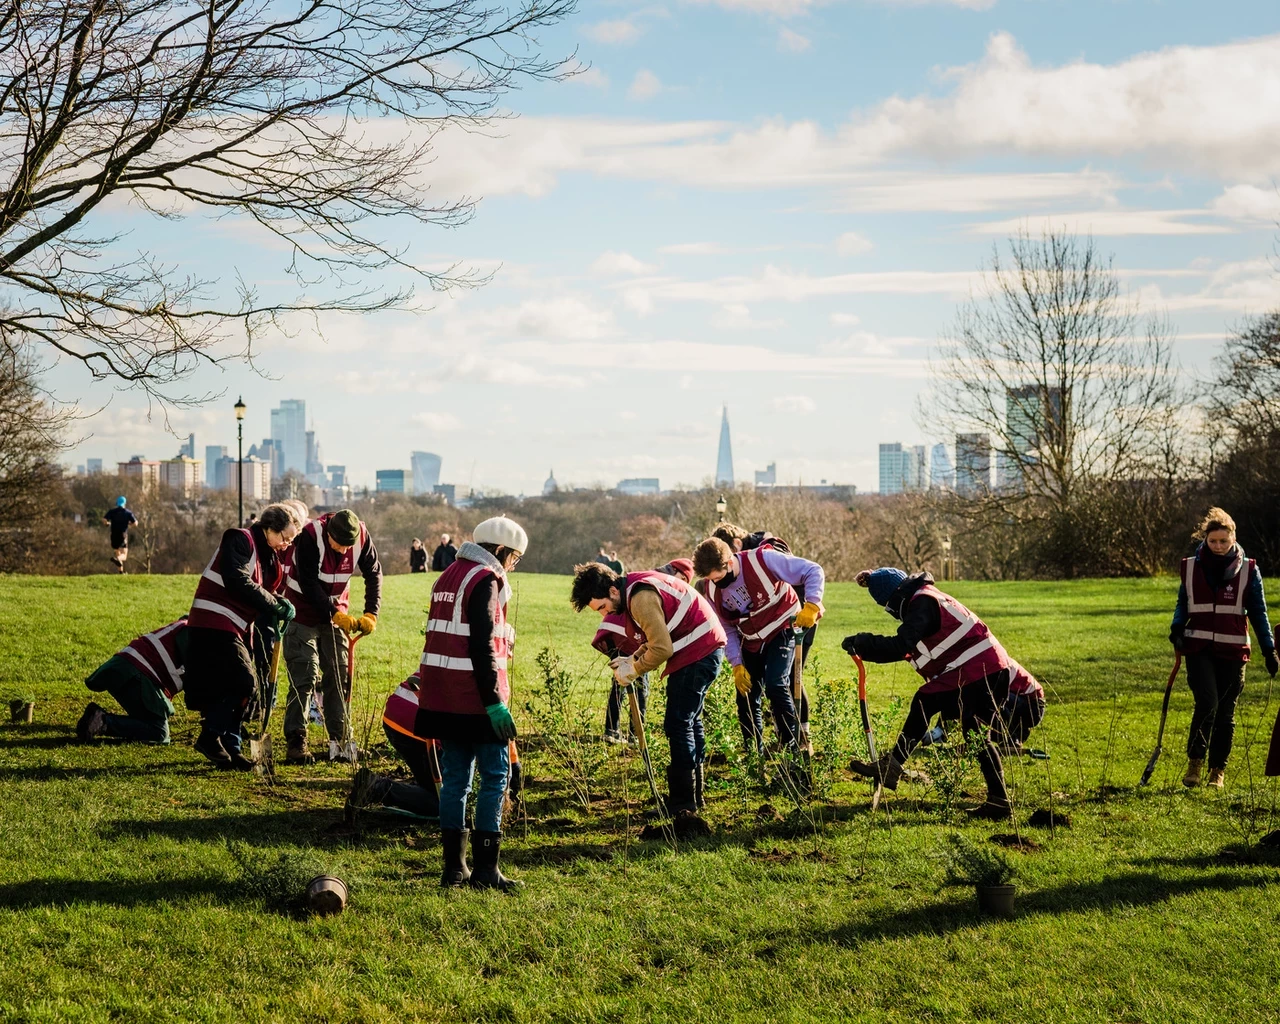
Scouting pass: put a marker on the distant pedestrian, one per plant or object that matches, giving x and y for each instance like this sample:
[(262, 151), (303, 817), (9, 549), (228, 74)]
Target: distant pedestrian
[(611, 560), (120, 519), (443, 555), (417, 556), (1220, 595)]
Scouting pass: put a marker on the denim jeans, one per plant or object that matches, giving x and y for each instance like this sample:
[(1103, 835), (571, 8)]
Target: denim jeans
[(686, 691), (618, 699), (223, 719), (770, 669), (459, 760)]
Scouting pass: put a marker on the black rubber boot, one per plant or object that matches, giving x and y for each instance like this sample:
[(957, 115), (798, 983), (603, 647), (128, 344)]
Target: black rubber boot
[(454, 843), (681, 785), (700, 786), (92, 723), (210, 745), (485, 848)]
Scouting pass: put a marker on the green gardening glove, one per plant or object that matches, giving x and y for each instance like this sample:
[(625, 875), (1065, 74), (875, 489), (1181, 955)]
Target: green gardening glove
[(501, 720), (285, 612)]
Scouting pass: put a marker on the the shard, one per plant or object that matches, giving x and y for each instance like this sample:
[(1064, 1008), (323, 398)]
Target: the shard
[(724, 460)]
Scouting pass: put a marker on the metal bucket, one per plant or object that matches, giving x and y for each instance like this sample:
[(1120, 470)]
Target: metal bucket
[(326, 895)]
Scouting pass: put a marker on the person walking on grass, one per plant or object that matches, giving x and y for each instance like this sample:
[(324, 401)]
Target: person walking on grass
[(417, 556), (752, 594), (119, 519), (243, 580), (1219, 597), (330, 550), (143, 677), (683, 635), (464, 697), (443, 555), (966, 674)]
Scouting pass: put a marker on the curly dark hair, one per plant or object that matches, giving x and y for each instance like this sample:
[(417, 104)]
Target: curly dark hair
[(592, 580), (711, 555), (728, 533)]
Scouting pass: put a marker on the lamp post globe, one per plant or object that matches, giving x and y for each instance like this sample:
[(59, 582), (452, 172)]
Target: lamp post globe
[(721, 505)]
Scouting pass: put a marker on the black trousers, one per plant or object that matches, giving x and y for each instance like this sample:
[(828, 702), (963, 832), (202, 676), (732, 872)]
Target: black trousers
[(976, 706), (1216, 684)]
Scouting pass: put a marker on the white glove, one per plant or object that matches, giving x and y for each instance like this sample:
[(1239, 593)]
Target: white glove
[(624, 671)]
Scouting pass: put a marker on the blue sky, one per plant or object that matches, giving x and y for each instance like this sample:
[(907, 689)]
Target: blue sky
[(775, 204)]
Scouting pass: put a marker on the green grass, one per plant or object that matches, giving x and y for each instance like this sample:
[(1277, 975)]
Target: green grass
[(121, 899)]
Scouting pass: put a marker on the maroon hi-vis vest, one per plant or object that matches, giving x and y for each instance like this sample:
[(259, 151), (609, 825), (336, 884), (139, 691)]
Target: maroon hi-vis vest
[(215, 608), (963, 650), (1023, 682), (1217, 622), (618, 635), (402, 708), (773, 603), (695, 630), (335, 571), (157, 655), (446, 671)]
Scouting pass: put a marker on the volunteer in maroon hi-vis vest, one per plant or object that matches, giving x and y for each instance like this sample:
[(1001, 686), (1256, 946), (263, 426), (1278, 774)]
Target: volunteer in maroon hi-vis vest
[(240, 583), (464, 696), (328, 552), (752, 592), (681, 630), (144, 677), (1221, 594), (966, 674)]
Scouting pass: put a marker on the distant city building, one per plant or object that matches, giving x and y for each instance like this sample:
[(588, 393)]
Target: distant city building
[(549, 486), (724, 458), (941, 473), (315, 462), (337, 476), (80, 471), (767, 477), (213, 455), (270, 452), (189, 447), (390, 481), (92, 466), (902, 468), (256, 477), (639, 485), (833, 492), (289, 431), (446, 491), (426, 471), (145, 471), (973, 464), (183, 474), (1030, 414)]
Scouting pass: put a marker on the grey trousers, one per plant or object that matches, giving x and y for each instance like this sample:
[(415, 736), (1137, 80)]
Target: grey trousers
[(316, 655)]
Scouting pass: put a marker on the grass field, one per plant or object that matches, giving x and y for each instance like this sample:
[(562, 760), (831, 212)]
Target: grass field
[(124, 891)]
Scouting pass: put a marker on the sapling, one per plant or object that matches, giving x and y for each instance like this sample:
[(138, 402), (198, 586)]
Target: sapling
[(967, 863)]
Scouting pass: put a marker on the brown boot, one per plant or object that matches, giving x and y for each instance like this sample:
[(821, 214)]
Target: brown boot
[(1194, 768), (297, 751), (1217, 778)]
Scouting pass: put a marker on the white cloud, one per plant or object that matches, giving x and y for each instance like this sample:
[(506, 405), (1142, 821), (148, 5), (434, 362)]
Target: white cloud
[(437, 422), (853, 244), (1248, 203), (620, 30), (736, 316), (866, 343), (965, 193), (845, 319), (1246, 287), (791, 8), (792, 42), (1108, 223), (612, 264), (794, 405), (644, 86), (591, 76)]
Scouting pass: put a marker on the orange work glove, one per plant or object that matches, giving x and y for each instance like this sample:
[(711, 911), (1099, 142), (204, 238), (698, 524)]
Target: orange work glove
[(367, 623), (344, 622), (742, 680)]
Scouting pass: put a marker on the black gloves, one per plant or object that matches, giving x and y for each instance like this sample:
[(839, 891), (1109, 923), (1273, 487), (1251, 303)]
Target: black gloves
[(1273, 664), (1175, 637), (850, 643)]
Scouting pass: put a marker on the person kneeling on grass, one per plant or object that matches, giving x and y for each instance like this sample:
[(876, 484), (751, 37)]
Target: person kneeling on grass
[(464, 695), (143, 677), (966, 673)]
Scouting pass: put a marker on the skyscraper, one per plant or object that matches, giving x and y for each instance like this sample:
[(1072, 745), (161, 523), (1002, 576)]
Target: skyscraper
[(1029, 420), (189, 448), (724, 460), (212, 453), (902, 468), (426, 472), (289, 431), (973, 464), (767, 477), (941, 473)]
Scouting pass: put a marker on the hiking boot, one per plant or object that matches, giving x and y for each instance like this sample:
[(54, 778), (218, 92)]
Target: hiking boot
[(485, 873), (992, 810), (362, 789), (1194, 768), (886, 771), (92, 723), (1217, 778), (680, 786), (453, 841), (614, 736), (296, 749), (237, 762), (210, 745)]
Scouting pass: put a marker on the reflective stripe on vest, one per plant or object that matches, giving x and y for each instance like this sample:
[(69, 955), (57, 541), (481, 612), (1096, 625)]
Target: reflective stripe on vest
[(691, 621), (1224, 627), (773, 602), (153, 653), (974, 651), (343, 566), (401, 709), (213, 607)]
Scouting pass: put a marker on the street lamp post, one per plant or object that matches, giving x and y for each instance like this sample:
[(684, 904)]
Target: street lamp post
[(721, 505), (948, 568), (240, 461)]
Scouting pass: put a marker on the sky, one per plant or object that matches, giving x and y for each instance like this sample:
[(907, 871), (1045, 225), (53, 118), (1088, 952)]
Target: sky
[(774, 205)]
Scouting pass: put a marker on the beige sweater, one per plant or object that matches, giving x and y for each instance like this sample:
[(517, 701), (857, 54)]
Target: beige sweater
[(646, 609)]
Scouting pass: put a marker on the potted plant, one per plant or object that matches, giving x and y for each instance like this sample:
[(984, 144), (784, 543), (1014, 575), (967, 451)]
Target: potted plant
[(23, 709), (988, 871)]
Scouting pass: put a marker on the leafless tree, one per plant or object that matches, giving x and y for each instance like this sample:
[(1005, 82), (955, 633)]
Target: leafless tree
[(313, 119), (1071, 383)]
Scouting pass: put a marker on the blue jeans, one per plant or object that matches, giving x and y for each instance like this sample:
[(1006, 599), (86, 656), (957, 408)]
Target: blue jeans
[(686, 691), (458, 762), (770, 669)]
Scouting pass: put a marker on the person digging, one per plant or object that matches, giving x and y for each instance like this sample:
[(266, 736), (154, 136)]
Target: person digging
[(684, 637), (965, 669)]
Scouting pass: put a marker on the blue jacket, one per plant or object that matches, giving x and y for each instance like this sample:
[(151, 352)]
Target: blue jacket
[(1255, 605)]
